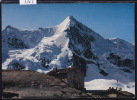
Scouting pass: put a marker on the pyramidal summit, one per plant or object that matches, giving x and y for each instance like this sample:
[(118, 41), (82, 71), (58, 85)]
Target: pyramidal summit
[(71, 44)]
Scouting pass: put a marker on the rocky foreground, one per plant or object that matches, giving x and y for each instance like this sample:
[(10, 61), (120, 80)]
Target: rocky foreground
[(30, 84)]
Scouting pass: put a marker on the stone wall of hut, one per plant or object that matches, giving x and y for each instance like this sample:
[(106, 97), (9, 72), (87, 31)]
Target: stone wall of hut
[(76, 79)]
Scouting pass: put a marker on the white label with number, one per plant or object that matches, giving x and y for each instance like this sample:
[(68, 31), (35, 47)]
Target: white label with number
[(27, 2)]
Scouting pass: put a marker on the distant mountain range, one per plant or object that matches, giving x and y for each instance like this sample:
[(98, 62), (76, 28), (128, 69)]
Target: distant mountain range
[(69, 44)]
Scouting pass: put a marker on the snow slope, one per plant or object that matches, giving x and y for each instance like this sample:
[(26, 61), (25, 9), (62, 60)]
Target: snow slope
[(57, 48), (70, 44), (97, 81), (103, 84)]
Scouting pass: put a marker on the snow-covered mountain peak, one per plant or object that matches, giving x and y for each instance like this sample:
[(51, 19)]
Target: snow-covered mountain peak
[(113, 38), (119, 41), (116, 39), (70, 43), (70, 17), (70, 21), (9, 27)]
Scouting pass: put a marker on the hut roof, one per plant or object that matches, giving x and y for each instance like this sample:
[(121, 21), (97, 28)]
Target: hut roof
[(65, 71)]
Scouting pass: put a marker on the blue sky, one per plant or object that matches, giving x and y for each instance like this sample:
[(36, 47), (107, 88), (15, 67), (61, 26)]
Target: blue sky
[(110, 20)]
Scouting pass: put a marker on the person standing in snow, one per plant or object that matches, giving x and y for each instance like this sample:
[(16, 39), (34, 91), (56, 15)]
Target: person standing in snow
[(117, 80)]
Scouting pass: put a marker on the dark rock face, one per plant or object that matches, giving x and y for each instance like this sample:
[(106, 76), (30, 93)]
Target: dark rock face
[(81, 39), (80, 62), (103, 73), (116, 60), (16, 43)]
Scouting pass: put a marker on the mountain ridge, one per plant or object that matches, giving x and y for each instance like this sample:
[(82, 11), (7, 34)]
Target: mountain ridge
[(68, 44)]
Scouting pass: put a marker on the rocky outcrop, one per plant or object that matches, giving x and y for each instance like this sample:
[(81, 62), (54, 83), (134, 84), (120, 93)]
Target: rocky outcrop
[(31, 84)]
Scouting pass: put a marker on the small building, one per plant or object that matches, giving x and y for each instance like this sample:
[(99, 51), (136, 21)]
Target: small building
[(71, 76)]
